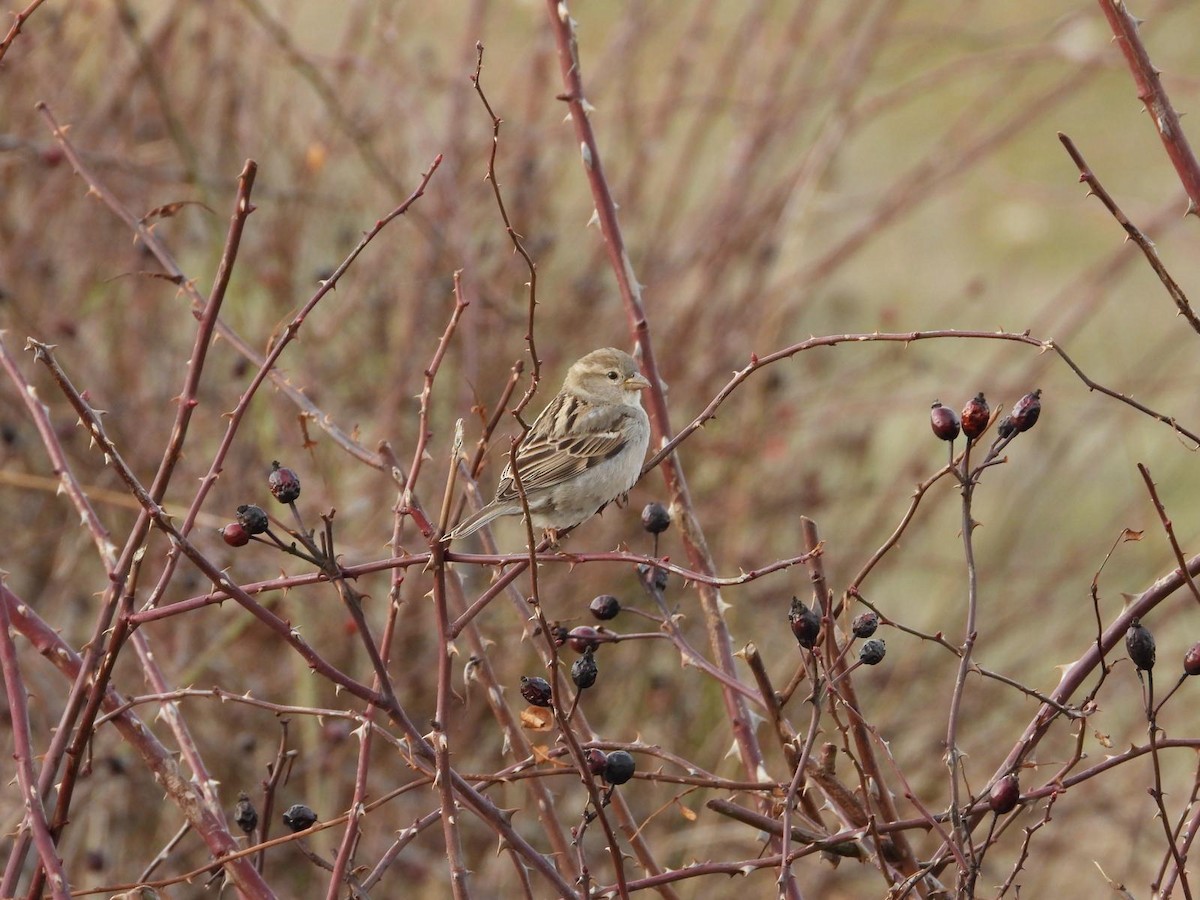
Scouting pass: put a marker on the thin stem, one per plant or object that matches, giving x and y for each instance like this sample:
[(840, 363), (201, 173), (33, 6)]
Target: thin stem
[(23, 753), (19, 20), (1087, 176), (1150, 90)]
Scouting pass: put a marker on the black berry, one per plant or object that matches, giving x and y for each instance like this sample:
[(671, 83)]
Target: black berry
[(1006, 427), (975, 417), (299, 818), (656, 576), (559, 633), (872, 652), (535, 690), (584, 670), (253, 518), (284, 483), (656, 518), (865, 623), (244, 814), (605, 607), (806, 624), (619, 768), (1140, 644)]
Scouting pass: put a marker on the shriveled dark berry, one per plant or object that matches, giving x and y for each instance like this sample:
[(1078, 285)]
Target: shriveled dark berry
[(1004, 794), (559, 632), (535, 690), (943, 421), (244, 814), (235, 534), (1140, 644), (583, 638), (584, 670), (656, 518), (299, 818), (806, 624), (596, 760), (872, 652), (656, 576), (1026, 411), (619, 768), (1006, 427), (865, 623), (253, 518), (284, 483), (605, 607), (1191, 661), (975, 416)]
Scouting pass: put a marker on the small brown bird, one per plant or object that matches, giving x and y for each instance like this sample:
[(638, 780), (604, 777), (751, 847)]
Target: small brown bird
[(585, 449)]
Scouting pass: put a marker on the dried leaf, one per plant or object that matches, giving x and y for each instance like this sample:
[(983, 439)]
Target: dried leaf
[(169, 209), (536, 718)]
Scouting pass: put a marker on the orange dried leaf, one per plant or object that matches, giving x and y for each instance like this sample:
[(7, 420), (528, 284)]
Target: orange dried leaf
[(535, 718)]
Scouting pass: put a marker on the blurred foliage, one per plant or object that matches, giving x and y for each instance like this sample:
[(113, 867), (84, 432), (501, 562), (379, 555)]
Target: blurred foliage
[(783, 170)]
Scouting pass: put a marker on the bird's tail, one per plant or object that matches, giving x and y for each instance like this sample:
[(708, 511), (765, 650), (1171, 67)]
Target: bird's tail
[(473, 523)]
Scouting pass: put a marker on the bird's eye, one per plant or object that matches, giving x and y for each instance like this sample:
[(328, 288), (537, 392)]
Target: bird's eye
[(613, 375)]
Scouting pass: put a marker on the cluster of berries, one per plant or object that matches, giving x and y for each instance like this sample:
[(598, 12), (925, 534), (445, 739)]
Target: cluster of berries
[(976, 414)]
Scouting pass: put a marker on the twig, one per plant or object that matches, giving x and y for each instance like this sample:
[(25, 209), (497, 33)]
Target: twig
[(440, 737), (535, 361), (176, 275), (1156, 791), (18, 709), (1087, 176), (1074, 674), (1152, 490), (1165, 881), (19, 20), (563, 28), (867, 758), (158, 759), (189, 396), (1152, 93), (423, 431), (969, 479), (759, 361), (1096, 386)]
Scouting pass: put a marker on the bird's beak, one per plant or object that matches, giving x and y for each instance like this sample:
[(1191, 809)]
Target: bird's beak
[(636, 382)]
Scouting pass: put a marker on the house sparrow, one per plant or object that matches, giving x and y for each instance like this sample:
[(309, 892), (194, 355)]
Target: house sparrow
[(585, 449)]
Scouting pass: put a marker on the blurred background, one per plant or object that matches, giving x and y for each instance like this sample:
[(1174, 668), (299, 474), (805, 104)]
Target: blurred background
[(783, 169)]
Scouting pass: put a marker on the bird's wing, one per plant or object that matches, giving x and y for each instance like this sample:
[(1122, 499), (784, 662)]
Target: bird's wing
[(547, 461)]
